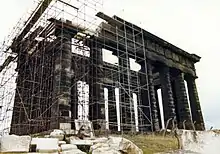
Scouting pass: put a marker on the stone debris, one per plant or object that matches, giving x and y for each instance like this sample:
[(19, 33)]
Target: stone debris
[(84, 128), (66, 147), (70, 132), (45, 144), (100, 140), (74, 151), (103, 148), (65, 126), (14, 143), (46, 136), (116, 145), (57, 143), (61, 143), (70, 149), (59, 134), (77, 141), (127, 146)]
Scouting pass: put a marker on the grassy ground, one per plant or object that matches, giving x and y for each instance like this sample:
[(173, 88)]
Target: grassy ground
[(154, 143)]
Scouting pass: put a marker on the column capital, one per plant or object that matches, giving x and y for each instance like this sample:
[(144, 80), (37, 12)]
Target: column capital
[(189, 77)]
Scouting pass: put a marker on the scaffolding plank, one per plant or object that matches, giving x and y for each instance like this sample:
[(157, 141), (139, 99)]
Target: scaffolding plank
[(6, 62), (109, 19), (30, 23)]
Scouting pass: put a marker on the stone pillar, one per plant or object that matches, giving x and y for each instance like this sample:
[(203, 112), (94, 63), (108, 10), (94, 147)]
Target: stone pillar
[(148, 95), (74, 99), (61, 109), (18, 116), (167, 95), (182, 103), (96, 89), (153, 100), (144, 95), (194, 103), (125, 92)]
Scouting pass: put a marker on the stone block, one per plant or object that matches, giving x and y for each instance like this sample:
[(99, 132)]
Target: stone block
[(103, 148), (70, 149), (59, 134), (14, 143), (70, 132), (65, 126), (61, 142), (115, 145), (74, 151), (129, 147), (65, 147), (87, 128), (100, 140), (77, 141), (45, 144)]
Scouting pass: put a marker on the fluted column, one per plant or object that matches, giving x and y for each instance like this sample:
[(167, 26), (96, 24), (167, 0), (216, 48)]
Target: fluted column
[(194, 103), (148, 96), (97, 108), (125, 91), (144, 97), (154, 107), (60, 111), (167, 95), (182, 103)]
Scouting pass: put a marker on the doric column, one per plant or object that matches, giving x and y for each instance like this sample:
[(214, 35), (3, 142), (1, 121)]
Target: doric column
[(125, 91), (194, 103), (167, 95), (60, 111), (182, 102), (97, 105), (144, 95), (74, 95), (148, 95), (154, 107)]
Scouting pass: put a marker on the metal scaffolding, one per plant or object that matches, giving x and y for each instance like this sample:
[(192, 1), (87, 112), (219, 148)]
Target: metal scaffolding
[(54, 72), (69, 63)]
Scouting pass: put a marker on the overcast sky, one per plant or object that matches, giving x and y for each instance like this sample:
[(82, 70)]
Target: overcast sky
[(192, 25)]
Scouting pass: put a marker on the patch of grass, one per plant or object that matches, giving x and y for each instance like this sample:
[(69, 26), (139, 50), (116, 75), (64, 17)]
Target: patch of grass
[(154, 143)]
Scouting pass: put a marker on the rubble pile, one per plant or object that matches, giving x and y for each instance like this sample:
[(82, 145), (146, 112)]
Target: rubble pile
[(59, 141)]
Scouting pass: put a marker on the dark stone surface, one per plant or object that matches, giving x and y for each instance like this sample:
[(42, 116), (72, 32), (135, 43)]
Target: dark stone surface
[(60, 110), (167, 95), (57, 71), (182, 104), (194, 103), (125, 95), (96, 88), (154, 105)]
